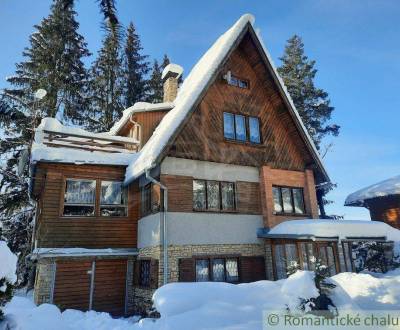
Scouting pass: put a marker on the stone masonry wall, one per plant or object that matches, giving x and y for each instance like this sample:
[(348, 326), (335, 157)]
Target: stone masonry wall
[(45, 274)]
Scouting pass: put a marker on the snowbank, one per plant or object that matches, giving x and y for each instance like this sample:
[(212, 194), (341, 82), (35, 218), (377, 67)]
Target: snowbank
[(381, 189), (8, 264), (341, 228), (208, 305)]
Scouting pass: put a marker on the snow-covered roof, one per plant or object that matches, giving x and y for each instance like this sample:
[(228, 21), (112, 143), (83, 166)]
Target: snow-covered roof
[(172, 68), (138, 107), (381, 189), (42, 152), (190, 92), (80, 252), (341, 229)]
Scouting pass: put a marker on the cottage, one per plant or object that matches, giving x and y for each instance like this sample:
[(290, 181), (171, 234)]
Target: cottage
[(381, 199), (184, 190)]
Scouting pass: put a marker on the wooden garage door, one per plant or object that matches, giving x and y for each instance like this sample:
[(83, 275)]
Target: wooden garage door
[(72, 284), (110, 286)]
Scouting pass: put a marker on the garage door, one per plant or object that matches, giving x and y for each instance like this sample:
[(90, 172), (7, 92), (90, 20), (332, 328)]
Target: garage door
[(99, 285), (110, 287), (72, 285)]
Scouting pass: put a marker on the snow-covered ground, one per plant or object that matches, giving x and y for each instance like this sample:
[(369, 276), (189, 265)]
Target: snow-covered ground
[(225, 306)]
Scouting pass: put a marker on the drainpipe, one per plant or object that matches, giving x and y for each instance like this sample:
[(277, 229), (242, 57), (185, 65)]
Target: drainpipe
[(164, 222)]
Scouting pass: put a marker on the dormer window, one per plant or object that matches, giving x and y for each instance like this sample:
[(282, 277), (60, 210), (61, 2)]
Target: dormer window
[(238, 82)]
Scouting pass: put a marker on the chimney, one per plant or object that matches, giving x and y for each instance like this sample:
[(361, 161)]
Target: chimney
[(170, 76)]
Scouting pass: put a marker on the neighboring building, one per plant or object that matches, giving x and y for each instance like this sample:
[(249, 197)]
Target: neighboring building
[(381, 199), (185, 190)]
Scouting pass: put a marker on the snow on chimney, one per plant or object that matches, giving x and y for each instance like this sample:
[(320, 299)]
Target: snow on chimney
[(170, 76)]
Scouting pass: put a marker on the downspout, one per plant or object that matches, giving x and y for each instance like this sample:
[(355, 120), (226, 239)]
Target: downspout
[(164, 223)]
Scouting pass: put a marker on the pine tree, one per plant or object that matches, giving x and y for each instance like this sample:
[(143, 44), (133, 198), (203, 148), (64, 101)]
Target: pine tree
[(136, 68), (155, 82), (107, 82), (312, 103), (53, 62)]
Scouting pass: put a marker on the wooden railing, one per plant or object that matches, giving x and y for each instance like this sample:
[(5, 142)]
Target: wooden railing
[(90, 142)]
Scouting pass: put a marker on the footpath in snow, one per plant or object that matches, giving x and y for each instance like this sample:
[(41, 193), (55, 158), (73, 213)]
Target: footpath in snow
[(225, 306)]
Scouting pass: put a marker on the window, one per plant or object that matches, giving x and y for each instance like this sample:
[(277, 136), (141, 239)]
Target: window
[(79, 197), (113, 199), (326, 254), (229, 125), (240, 125), (145, 200), (217, 270), (144, 278), (202, 270), (238, 82), (254, 130), (228, 196), (242, 128), (213, 196), (307, 256), (288, 200)]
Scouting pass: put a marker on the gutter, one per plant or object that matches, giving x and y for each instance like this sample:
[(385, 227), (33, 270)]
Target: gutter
[(164, 224)]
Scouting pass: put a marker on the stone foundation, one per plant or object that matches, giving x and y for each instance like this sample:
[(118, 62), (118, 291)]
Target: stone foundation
[(44, 281)]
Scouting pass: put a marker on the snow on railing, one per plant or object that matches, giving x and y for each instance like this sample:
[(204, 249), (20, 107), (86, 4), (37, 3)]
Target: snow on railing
[(52, 133)]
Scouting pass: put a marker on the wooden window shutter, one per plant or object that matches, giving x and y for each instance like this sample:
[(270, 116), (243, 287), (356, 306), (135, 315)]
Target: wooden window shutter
[(251, 269), (187, 270), (136, 272), (154, 273)]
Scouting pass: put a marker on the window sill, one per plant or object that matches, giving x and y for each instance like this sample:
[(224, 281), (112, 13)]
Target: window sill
[(216, 211), (292, 214), (245, 143)]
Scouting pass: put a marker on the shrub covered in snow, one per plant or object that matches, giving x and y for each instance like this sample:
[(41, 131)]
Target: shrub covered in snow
[(8, 264), (374, 257)]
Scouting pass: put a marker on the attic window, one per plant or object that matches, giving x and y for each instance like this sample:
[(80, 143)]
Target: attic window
[(239, 82)]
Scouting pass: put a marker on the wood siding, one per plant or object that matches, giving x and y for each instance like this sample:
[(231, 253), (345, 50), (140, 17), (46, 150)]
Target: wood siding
[(55, 230), (202, 136), (385, 209), (148, 121), (180, 195), (110, 286), (72, 284)]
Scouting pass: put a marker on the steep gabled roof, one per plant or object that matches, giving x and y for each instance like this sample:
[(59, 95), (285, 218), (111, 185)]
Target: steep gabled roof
[(384, 188), (194, 88)]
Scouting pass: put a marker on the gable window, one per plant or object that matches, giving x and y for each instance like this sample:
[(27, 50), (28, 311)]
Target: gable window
[(288, 200), (217, 270), (79, 197), (242, 128), (146, 200), (113, 199), (238, 82), (213, 196)]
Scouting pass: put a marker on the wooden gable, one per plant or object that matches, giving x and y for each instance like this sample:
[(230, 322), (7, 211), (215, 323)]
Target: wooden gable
[(202, 137)]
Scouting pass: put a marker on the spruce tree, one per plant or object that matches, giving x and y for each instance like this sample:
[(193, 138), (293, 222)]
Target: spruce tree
[(53, 61), (136, 68), (155, 82), (312, 103), (107, 83)]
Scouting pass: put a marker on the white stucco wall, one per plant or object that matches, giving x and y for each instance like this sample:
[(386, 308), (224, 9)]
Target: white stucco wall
[(200, 228), (209, 170)]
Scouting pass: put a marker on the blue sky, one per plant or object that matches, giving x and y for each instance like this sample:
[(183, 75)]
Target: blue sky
[(355, 43)]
